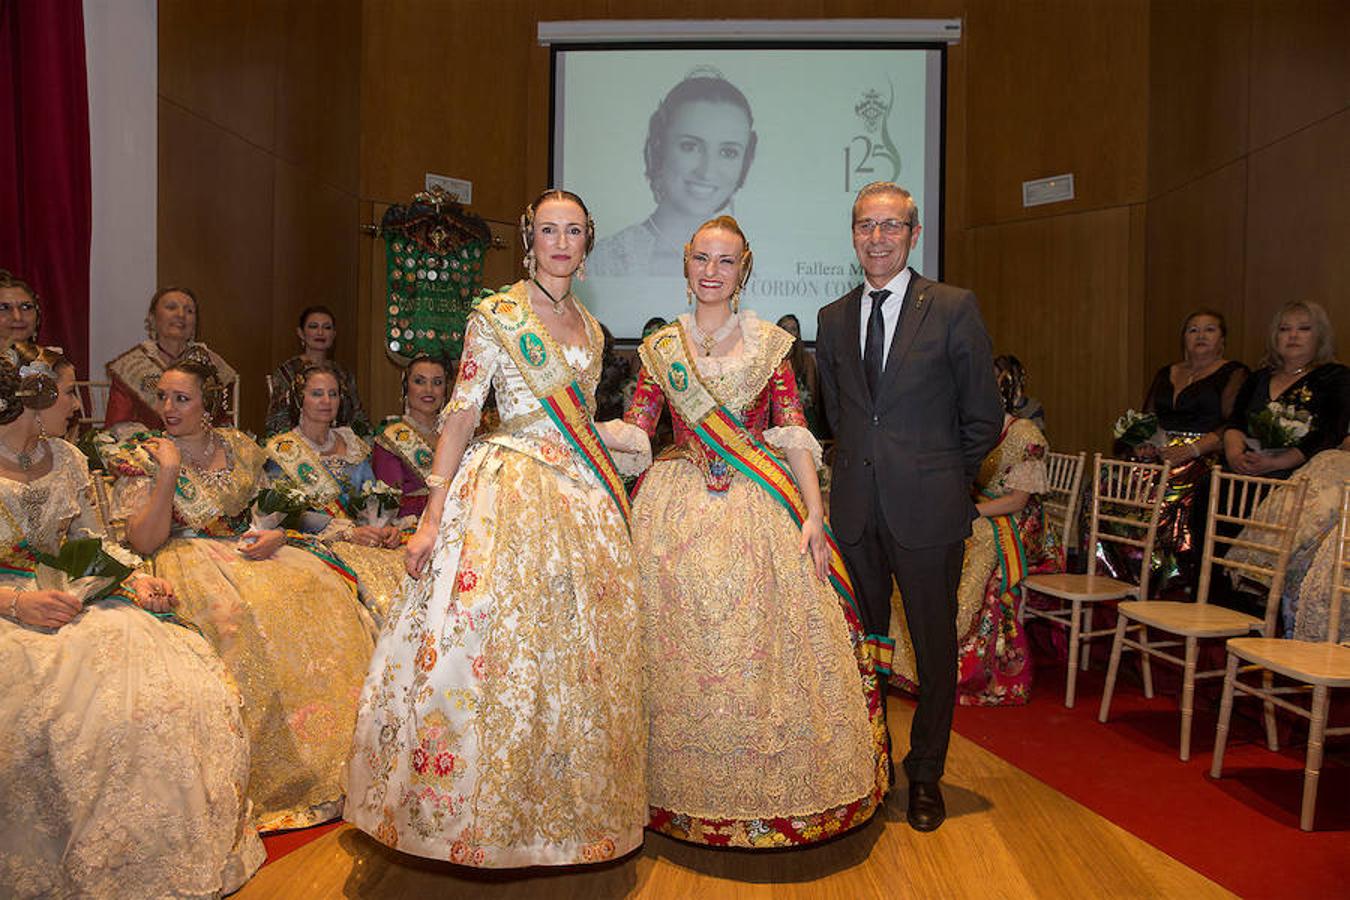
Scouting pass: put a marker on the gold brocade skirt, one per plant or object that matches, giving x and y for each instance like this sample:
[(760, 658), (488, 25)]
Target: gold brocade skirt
[(379, 573), (297, 643), (123, 761), (980, 559), (758, 711), (501, 723)]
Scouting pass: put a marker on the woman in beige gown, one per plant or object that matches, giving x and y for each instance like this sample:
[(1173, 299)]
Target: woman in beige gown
[(280, 609), (328, 464), (123, 760), (501, 723), (766, 725)]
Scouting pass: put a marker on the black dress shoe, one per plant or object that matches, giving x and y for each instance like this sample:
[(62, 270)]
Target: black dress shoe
[(926, 810)]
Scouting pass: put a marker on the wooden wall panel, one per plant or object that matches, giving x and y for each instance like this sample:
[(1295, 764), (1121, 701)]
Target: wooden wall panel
[(1300, 65), (1195, 245), (1055, 88), (1198, 78), (316, 243), (443, 90), (1056, 292), (218, 58), (318, 91), (1298, 226), (259, 125), (216, 236)]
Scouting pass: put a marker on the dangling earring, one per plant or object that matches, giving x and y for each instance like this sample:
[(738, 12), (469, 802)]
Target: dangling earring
[(530, 266), (581, 270), (150, 329), (689, 295), (42, 428), (736, 302)]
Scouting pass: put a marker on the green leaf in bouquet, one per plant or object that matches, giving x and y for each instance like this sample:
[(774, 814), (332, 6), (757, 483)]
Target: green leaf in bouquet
[(282, 499), (86, 557)]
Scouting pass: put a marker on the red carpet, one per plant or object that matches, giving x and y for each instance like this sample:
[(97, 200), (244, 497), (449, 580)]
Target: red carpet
[(280, 843), (1240, 831)]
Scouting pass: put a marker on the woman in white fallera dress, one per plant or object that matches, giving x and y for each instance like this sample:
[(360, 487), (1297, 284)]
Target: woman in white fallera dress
[(123, 759), (501, 723)]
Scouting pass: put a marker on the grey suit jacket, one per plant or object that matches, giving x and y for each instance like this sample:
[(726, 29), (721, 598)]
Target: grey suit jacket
[(916, 450)]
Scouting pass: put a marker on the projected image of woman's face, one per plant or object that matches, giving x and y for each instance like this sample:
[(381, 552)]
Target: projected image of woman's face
[(704, 156)]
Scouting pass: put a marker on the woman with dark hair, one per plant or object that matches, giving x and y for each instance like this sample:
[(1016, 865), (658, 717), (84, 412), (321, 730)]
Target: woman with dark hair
[(20, 311), (700, 146), (1007, 543), (804, 366), (1193, 399), (501, 724), (766, 725), (317, 330), (280, 610), (124, 763), (1010, 368), (1300, 389), (171, 324), (406, 445)]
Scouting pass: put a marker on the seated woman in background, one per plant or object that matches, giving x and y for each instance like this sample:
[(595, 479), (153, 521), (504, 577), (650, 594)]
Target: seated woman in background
[(1297, 404), (134, 376), (331, 466), (804, 367), (406, 445), (20, 313), (124, 763), (284, 619), (1023, 407), (1193, 400), (317, 331), (1007, 543)]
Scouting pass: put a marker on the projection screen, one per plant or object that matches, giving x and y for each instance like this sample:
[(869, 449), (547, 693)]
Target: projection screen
[(659, 138)]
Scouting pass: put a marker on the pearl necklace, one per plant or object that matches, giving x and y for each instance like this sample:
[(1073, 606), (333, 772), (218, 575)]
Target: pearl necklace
[(24, 459), (709, 341)]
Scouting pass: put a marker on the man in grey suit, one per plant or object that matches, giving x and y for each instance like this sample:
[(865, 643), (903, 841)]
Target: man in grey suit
[(907, 380)]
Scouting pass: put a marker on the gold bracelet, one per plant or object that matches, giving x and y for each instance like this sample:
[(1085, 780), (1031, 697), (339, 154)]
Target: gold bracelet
[(14, 606), (437, 481)]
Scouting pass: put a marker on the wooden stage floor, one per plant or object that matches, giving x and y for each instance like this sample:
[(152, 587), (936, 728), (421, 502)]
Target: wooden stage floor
[(1006, 835)]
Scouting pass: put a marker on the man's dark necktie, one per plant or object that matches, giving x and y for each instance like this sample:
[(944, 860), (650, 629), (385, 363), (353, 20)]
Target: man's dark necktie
[(874, 350)]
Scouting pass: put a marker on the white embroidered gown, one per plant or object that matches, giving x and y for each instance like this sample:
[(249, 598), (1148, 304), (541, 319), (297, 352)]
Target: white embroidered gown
[(501, 723), (123, 759)]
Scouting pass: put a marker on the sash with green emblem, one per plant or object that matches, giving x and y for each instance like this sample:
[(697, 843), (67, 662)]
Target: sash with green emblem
[(301, 463), (665, 353), (553, 382), (400, 438)]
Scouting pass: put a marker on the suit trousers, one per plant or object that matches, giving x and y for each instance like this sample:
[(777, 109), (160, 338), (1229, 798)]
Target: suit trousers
[(928, 579)]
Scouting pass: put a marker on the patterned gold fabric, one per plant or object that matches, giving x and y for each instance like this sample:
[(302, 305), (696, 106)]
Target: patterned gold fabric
[(501, 723), (123, 760), (292, 635), (757, 708)]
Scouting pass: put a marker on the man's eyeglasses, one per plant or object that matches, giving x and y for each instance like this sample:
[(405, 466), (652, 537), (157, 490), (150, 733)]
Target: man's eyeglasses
[(889, 227)]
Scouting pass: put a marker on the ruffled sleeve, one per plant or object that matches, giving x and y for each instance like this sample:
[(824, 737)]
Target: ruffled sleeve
[(789, 430), (481, 359), (1028, 473)]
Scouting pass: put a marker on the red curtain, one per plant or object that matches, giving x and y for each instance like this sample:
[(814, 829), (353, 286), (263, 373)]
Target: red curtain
[(44, 164)]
